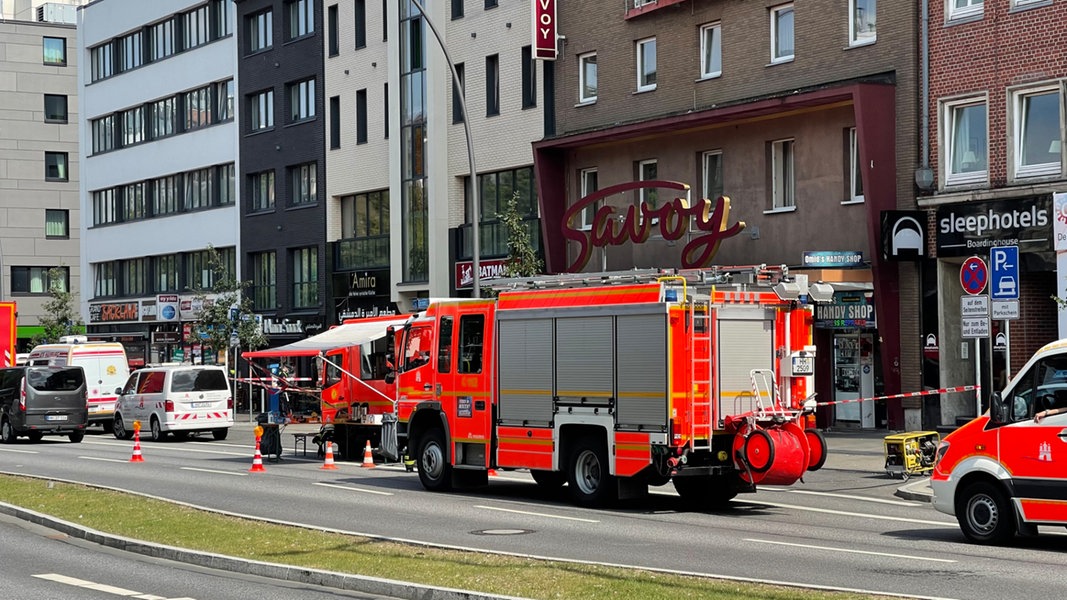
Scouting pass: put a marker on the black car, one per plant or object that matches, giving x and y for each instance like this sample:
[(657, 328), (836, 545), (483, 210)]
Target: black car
[(39, 401)]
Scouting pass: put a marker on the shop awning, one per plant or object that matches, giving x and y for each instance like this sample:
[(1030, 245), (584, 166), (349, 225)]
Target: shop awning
[(348, 334)]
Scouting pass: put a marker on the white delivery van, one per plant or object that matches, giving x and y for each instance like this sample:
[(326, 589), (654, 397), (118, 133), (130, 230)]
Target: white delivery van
[(105, 365), (178, 399)]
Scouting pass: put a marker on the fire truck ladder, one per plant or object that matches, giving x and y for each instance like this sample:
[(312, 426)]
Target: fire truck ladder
[(764, 386), (700, 336)]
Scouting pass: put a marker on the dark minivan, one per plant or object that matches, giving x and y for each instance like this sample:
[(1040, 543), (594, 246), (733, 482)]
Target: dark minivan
[(39, 401)]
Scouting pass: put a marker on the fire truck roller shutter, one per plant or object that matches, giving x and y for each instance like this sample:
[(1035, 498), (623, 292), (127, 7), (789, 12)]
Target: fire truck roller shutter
[(642, 372), (743, 345), (525, 371), (585, 359)]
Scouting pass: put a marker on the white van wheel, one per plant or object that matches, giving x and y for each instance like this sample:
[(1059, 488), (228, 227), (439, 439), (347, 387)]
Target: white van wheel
[(157, 430), (7, 432)]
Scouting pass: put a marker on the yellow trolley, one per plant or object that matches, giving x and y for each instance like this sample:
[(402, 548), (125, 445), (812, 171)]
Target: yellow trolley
[(911, 453)]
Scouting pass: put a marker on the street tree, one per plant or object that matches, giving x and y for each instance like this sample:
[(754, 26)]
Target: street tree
[(226, 314), (522, 260), (61, 316)]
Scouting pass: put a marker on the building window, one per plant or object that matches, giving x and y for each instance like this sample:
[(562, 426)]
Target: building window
[(260, 31), (224, 101), (648, 170), (302, 184), (264, 281), (164, 117), (103, 63), (133, 126), (196, 25), (132, 47), (161, 40), (712, 175), (529, 78), (306, 277), (56, 223), (960, 9), (783, 179), (197, 108), (646, 65), (855, 174), (135, 276), (331, 31), (166, 272), (55, 51), (364, 231), (261, 186), (105, 207), (710, 51), (199, 189), (386, 105), (55, 166), (221, 14), (492, 85), (361, 117), (335, 122), (361, 24), (103, 134), (39, 280), (302, 100), (458, 93), (966, 142), (105, 281), (589, 183), (55, 108), (1038, 145), (165, 195), (495, 193), (862, 21), (301, 18), (587, 81), (134, 207), (261, 107), (490, 4), (457, 9), (199, 271), (782, 33)]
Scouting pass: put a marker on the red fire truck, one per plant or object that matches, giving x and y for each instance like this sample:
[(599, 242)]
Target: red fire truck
[(614, 382)]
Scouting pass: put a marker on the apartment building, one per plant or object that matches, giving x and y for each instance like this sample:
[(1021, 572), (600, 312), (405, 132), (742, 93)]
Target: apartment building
[(802, 115), (995, 178), (39, 165), (159, 154)]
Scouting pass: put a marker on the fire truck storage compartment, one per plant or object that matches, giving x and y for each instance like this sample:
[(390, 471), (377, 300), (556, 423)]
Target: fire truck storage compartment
[(745, 341), (563, 358)]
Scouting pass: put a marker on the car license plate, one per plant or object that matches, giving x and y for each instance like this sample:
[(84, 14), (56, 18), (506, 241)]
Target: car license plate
[(55, 417), (200, 404), (803, 365)]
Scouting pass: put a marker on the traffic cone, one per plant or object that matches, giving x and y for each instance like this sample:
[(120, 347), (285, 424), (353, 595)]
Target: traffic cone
[(329, 457), (136, 443), (368, 458), (257, 461), (492, 472)]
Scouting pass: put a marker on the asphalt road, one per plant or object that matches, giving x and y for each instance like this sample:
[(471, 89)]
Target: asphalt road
[(844, 527)]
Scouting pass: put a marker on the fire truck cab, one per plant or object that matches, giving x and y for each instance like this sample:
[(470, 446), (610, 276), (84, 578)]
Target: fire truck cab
[(1005, 472), (611, 383)]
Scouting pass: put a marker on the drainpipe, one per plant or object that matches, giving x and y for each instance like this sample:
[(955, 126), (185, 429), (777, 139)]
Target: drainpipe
[(924, 176)]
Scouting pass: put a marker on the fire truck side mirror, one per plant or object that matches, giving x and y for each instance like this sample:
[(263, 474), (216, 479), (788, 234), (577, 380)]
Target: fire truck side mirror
[(390, 377), (998, 409)]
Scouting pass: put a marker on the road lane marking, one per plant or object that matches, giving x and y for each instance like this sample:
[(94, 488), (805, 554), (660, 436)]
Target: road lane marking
[(352, 489), (100, 587), (178, 448), (536, 514), (847, 514), (103, 459), (848, 496), (213, 471), (19, 451), (882, 554)]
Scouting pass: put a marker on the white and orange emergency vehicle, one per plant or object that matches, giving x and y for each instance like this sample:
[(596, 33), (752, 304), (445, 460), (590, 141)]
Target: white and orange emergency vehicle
[(106, 370), (1005, 472), (614, 382)]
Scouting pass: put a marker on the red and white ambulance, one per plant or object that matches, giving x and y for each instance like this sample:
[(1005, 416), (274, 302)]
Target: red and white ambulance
[(1005, 473)]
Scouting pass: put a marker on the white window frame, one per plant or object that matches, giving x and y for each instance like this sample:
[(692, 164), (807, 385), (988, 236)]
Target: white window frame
[(969, 8), (583, 60), (855, 176), (783, 175), (643, 73), (948, 121), (855, 36), (647, 195), (262, 111), (714, 30), (1053, 167), (776, 13), (1024, 3), (302, 101), (705, 182), (588, 212)]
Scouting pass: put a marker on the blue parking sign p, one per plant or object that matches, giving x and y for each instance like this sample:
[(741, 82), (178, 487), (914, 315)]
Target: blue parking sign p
[(1004, 273)]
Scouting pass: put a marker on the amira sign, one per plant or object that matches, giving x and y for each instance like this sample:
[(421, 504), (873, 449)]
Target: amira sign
[(635, 225)]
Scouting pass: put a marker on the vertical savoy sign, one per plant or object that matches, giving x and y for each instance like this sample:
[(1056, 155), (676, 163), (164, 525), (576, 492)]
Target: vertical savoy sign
[(544, 29)]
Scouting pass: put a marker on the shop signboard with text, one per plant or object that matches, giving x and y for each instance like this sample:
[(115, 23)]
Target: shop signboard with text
[(845, 312), (976, 227)]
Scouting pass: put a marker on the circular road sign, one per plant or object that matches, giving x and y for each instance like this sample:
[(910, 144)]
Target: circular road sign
[(974, 275)]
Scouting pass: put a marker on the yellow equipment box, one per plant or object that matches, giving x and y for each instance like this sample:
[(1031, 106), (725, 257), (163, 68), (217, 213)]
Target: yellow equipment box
[(911, 453)]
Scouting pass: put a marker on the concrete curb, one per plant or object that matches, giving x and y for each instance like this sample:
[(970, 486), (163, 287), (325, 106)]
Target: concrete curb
[(341, 581), (918, 490)]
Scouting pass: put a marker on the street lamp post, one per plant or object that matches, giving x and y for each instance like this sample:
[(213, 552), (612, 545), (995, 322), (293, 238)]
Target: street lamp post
[(475, 208)]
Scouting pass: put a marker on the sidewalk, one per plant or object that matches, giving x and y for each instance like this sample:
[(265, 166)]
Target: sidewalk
[(864, 450)]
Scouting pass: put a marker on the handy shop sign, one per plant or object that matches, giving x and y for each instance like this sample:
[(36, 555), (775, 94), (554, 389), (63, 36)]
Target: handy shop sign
[(846, 311), (973, 228)]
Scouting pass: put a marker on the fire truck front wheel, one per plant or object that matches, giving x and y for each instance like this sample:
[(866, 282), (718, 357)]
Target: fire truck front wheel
[(590, 482), (434, 471), (984, 514)]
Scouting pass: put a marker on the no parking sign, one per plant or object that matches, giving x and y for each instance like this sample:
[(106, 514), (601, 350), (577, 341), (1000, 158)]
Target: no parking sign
[(974, 275)]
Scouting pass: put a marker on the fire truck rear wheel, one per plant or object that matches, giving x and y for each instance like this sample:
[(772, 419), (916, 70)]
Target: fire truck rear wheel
[(590, 482), (548, 479), (984, 514), (705, 492), (434, 471)]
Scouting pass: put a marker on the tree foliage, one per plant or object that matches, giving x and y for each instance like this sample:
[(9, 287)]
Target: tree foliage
[(225, 311), (61, 316), (522, 260)]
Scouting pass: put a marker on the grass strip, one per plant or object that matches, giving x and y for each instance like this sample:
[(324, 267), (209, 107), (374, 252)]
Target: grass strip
[(161, 522)]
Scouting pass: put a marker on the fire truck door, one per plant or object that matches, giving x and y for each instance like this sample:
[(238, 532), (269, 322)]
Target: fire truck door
[(474, 411), (418, 376)]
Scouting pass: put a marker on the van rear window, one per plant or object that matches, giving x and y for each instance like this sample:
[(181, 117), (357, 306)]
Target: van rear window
[(55, 380), (199, 380)]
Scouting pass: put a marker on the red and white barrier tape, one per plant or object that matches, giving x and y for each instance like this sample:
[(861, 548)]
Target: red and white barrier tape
[(959, 388)]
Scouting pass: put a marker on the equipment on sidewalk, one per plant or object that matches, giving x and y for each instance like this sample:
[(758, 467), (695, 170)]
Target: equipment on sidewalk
[(910, 453)]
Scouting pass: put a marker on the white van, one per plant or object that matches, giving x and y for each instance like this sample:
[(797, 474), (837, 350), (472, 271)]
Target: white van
[(178, 399), (105, 365)]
